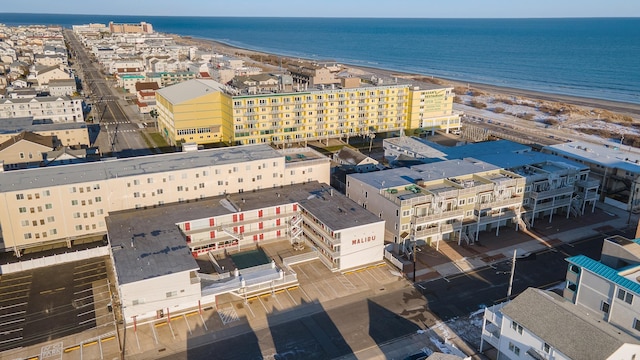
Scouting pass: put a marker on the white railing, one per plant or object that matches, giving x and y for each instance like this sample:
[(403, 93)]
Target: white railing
[(296, 259), (54, 260)]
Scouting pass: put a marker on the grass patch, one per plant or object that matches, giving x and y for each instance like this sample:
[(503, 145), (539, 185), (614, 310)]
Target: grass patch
[(498, 110), (478, 104)]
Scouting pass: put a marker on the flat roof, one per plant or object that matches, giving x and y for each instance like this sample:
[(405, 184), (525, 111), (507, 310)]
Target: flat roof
[(430, 150), (16, 125), (16, 180), (140, 255), (567, 327), (147, 242), (388, 178), (453, 168), (611, 155), (190, 89)]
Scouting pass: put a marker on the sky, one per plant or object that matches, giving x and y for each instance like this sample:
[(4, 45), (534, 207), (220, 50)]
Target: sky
[(336, 8)]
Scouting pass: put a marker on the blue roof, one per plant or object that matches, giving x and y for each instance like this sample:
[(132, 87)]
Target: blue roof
[(637, 241), (605, 272)]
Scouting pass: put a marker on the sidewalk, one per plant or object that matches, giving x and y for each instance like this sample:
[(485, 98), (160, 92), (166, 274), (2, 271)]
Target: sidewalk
[(451, 258)]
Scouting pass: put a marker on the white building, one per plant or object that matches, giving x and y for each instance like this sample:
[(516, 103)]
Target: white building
[(617, 167), (539, 324), (55, 108), (153, 248)]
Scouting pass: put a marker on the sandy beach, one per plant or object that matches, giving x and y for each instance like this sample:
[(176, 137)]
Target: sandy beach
[(587, 104)]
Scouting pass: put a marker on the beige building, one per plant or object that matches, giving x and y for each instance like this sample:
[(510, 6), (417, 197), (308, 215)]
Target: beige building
[(25, 150), (450, 200), (64, 204), (68, 134)]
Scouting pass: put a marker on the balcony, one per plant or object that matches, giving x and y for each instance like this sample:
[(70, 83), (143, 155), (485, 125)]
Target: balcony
[(312, 225), (445, 215), (496, 204), (539, 195), (441, 229), (317, 241), (495, 217), (556, 203)]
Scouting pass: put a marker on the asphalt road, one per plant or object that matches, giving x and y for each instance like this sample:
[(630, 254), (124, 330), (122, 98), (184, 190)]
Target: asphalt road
[(465, 293), (118, 134)]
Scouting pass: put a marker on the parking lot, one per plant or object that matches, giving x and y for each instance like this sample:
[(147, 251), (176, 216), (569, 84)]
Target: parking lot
[(45, 304)]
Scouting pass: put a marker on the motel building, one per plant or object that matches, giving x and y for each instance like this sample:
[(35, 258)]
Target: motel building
[(154, 249)]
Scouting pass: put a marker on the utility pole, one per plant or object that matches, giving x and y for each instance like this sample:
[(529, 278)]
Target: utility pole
[(513, 271)]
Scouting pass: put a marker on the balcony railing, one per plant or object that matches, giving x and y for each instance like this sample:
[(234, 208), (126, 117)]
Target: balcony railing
[(538, 195), (445, 215)]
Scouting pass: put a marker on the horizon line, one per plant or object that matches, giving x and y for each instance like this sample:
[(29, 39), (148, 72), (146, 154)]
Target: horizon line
[(335, 17)]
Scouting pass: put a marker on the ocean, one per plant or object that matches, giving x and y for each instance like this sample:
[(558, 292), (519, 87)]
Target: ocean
[(586, 57)]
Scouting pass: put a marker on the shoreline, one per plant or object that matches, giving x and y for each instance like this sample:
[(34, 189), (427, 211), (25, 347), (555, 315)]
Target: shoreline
[(625, 108)]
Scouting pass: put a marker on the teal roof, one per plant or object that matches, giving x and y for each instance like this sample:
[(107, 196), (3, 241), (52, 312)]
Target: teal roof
[(637, 241), (605, 272)]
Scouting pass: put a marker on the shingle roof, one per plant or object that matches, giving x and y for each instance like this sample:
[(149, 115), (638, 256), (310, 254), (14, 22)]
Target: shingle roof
[(605, 272), (29, 136), (565, 326)]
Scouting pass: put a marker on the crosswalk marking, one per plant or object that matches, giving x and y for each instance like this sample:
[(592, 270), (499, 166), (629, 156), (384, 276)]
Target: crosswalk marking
[(228, 315)]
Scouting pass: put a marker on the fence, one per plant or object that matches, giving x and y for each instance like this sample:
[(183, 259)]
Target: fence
[(392, 259), (296, 259), (54, 260)]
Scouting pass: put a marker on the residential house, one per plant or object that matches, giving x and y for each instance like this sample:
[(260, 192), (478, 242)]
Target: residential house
[(540, 324), (25, 150), (62, 87)]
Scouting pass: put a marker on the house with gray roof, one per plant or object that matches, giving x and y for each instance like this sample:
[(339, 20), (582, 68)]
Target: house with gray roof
[(540, 324)]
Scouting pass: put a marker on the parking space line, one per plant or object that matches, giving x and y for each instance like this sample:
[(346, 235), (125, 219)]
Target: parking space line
[(275, 296), (11, 306), (291, 297), (84, 313), (14, 285), (13, 314), (10, 340), (138, 340), (187, 321), (171, 329), (305, 294), (317, 289), (12, 322), (86, 321), (204, 323), (264, 307), (326, 282), (153, 328)]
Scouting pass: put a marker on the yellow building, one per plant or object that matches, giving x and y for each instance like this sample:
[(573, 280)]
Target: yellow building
[(205, 111)]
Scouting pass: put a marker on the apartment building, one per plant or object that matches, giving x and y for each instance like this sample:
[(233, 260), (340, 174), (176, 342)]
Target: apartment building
[(299, 116), (554, 185), (540, 324), (55, 108), (609, 288), (617, 167), (64, 204), (450, 200)]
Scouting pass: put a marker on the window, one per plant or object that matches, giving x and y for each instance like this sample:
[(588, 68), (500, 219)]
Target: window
[(546, 347), (605, 307), (24, 222), (574, 269), (517, 327), (78, 227), (172, 293), (48, 206), (636, 324), (19, 196), (23, 210), (136, 182), (180, 188), (76, 215), (136, 194), (74, 202), (51, 219), (625, 295), (27, 236), (514, 349)]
